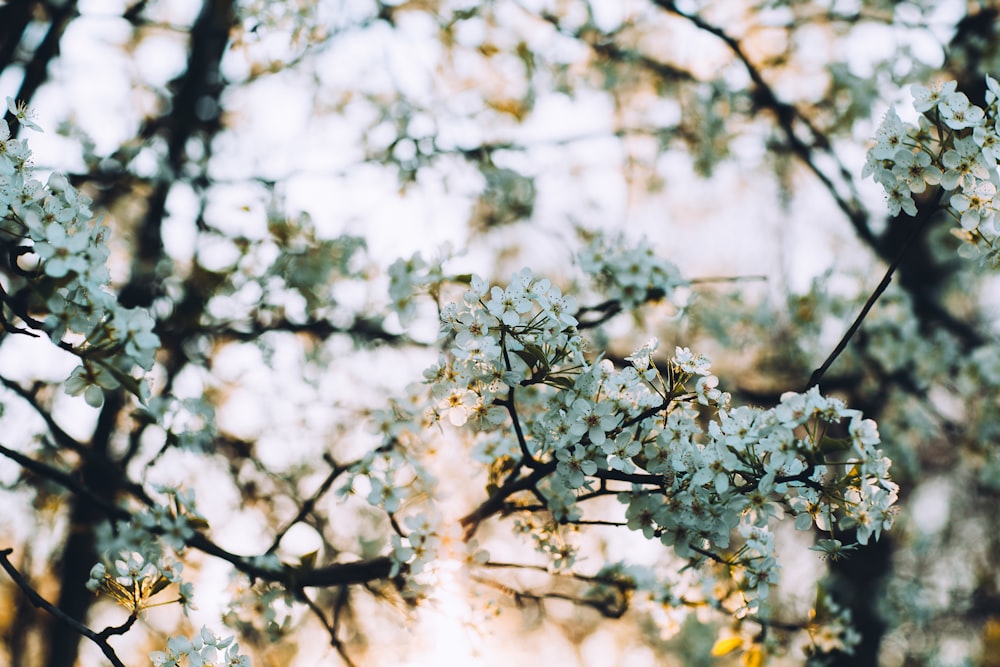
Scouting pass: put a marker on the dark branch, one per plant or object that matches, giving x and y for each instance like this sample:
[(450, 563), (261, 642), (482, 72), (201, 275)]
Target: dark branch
[(918, 225), (497, 502), (99, 638), (67, 481)]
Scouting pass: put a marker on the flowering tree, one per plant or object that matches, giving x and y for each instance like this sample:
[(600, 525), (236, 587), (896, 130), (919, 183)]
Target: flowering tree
[(234, 416)]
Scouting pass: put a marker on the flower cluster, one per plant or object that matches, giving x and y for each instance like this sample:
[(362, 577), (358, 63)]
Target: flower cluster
[(496, 338), (630, 274), (134, 580), (548, 539), (695, 489), (406, 276), (524, 334), (189, 422), (515, 357), (419, 546), (67, 291), (955, 145), (137, 566), (394, 471), (751, 466), (262, 610), (204, 648), (411, 277), (831, 629)]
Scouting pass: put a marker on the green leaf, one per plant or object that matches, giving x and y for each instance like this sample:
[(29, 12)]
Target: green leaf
[(131, 384), (829, 445), (560, 382), (308, 561), (534, 357)]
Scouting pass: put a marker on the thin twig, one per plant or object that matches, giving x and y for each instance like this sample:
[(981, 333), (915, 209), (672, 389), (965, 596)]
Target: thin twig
[(918, 226), (331, 629), (343, 600), (786, 116), (609, 608), (310, 504), (497, 500)]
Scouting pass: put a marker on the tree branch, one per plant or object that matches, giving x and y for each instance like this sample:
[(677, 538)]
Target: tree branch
[(331, 628), (495, 503), (918, 225), (99, 638), (62, 438), (67, 481), (787, 115)]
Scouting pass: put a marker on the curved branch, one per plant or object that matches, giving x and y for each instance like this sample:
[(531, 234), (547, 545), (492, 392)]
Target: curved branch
[(67, 481), (310, 504), (496, 502), (99, 638), (62, 438), (607, 310), (787, 115), (366, 329), (918, 225), (338, 574)]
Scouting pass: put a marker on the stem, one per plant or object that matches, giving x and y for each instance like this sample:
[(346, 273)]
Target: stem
[(526, 457)]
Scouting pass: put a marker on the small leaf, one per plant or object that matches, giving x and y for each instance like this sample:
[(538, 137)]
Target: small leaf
[(829, 445), (560, 382), (539, 354), (131, 384), (754, 657), (308, 561), (159, 585), (726, 646), (534, 358), (197, 522), (527, 358)]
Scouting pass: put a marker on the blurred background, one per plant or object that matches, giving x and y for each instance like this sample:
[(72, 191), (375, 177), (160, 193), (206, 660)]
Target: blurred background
[(261, 163)]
